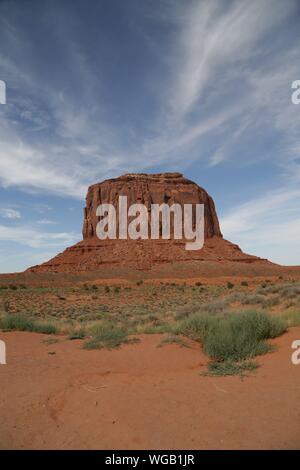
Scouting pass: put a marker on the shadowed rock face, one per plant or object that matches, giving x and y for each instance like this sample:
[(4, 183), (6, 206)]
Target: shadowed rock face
[(146, 189), (92, 253)]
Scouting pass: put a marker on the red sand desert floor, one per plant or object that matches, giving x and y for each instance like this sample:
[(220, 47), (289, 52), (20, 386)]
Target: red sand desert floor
[(142, 396)]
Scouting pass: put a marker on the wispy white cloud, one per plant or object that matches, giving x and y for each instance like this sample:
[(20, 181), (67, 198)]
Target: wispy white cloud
[(217, 34), (41, 208), (46, 222), (227, 82), (9, 213), (28, 236), (224, 83), (212, 53), (268, 226)]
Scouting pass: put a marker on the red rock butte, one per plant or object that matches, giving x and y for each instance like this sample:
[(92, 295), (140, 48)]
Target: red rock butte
[(93, 254)]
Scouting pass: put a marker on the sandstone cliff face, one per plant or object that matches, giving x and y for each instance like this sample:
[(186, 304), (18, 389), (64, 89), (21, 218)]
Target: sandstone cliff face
[(94, 254), (146, 189)]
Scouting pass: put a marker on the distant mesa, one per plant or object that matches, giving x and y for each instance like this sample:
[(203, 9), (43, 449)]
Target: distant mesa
[(93, 254)]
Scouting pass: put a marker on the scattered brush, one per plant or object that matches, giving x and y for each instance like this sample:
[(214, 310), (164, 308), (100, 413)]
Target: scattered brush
[(255, 299), (212, 308), (215, 307), (247, 299), (172, 338), (290, 292), (231, 368), (154, 329), (50, 341), (186, 310), (285, 290), (271, 301)]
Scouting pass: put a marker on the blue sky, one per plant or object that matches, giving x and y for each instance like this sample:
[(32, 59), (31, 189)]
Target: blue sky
[(100, 88)]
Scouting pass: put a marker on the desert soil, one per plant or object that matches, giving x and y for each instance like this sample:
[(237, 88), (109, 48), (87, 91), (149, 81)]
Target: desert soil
[(141, 396)]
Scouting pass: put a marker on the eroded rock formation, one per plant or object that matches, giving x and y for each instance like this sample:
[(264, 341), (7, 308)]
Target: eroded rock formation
[(92, 253), (146, 189)]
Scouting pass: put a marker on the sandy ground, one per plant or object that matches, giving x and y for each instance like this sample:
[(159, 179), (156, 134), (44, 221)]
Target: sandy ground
[(143, 397)]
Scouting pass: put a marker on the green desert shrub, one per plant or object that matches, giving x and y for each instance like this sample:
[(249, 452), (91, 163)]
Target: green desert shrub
[(13, 286), (286, 290), (292, 318), (184, 311), (265, 289), (170, 338), (207, 308), (271, 301), (290, 292), (106, 335), (46, 328), (255, 299), (246, 299), (16, 322), (156, 329), (217, 306), (77, 334), (197, 327), (232, 342), (234, 337), (22, 323), (252, 299)]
